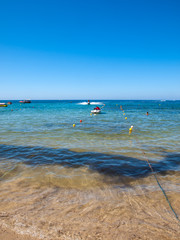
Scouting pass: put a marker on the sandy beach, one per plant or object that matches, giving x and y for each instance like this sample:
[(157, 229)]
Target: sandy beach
[(91, 181), (34, 212), (7, 234), (89, 120)]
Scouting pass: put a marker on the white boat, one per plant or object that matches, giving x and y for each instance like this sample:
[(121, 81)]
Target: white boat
[(95, 111), (3, 105)]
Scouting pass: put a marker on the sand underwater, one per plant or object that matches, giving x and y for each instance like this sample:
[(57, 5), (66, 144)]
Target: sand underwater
[(91, 181)]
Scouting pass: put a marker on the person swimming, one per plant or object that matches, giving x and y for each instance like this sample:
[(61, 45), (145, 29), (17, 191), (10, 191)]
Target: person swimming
[(88, 102)]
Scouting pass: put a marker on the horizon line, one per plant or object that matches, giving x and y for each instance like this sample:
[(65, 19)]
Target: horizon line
[(92, 99)]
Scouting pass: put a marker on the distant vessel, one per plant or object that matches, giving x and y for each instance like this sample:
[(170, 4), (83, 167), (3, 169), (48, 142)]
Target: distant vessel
[(9, 103), (3, 105), (25, 101)]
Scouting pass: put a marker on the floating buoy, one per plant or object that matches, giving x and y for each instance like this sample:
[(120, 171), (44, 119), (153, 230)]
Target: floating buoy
[(123, 113), (74, 125), (130, 129), (125, 117), (80, 121), (90, 114)]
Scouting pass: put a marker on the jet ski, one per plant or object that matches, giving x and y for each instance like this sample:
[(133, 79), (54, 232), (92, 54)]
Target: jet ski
[(96, 110)]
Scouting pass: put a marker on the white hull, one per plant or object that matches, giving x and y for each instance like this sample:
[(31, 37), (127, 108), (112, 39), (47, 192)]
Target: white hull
[(96, 111)]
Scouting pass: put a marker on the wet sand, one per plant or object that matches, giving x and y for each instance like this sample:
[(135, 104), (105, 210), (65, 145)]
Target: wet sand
[(33, 211)]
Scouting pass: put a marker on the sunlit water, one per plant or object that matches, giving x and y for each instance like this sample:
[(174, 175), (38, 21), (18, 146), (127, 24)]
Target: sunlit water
[(42, 134), (96, 163)]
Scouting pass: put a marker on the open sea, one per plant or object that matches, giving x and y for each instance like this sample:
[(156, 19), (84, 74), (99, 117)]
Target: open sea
[(93, 176)]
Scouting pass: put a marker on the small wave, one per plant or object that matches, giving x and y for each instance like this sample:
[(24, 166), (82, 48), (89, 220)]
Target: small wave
[(91, 103)]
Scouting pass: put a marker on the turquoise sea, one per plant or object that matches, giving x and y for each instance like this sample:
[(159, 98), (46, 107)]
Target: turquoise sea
[(42, 133), (90, 181)]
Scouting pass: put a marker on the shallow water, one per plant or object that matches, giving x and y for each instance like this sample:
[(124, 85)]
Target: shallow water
[(92, 167)]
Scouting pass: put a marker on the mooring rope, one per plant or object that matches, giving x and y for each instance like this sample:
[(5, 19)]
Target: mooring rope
[(8, 171), (163, 191), (155, 176)]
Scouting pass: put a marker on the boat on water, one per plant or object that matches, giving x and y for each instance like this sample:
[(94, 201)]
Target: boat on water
[(25, 101), (9, 103), (95, 111), (3, 105)]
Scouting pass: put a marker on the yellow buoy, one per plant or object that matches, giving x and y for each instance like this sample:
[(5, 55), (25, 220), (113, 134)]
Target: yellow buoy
[(123, 113), (74, 125), (125, 117), (130, 129)]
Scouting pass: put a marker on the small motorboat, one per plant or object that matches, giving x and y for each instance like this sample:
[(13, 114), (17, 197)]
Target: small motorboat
[(25, 101), (3, 105), (96, 111)]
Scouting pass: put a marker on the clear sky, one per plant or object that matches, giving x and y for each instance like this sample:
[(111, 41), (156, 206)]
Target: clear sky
[(90, 49)]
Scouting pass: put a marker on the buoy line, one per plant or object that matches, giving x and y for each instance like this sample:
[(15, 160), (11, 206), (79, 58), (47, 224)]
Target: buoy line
[(8, 171), (154, 174), (147, 160)]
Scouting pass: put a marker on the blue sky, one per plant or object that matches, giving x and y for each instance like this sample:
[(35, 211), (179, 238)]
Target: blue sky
[(118, 49)]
